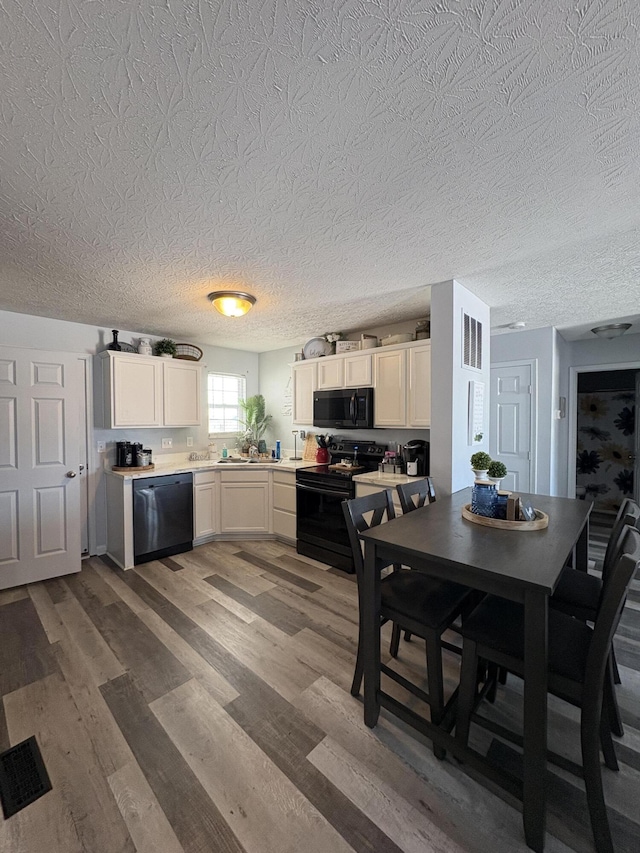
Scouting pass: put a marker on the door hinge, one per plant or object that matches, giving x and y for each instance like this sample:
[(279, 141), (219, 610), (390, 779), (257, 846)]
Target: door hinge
[(530, 389)]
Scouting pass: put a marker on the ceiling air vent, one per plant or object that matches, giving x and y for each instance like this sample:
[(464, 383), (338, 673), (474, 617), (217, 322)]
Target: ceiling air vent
[(472, 342)]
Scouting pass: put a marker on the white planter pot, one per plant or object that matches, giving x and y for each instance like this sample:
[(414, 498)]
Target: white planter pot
[(480, 474)]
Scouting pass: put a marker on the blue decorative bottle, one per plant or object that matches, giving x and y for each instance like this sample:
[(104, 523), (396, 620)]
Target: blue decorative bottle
[(484, 499)]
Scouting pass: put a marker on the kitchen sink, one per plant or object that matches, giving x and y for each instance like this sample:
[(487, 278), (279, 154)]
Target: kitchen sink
[(263, 461), (233, 461)]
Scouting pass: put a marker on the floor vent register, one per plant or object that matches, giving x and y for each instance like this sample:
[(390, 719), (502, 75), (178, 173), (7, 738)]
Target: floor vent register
[(23, 776)]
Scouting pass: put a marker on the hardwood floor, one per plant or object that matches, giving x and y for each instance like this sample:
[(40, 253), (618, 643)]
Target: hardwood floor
[(201, 704)]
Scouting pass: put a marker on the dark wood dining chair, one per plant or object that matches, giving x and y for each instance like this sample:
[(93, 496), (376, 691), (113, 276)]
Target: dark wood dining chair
[(416, 494), (579, 664), (413, 601), (578, 593)]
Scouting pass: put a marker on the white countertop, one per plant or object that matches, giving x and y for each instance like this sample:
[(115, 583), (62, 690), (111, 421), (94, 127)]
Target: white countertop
[(385, 481), (180, 467)]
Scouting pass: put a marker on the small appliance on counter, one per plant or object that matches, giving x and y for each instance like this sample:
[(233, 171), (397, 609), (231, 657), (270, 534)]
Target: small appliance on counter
[(132, 455), (416, 456)]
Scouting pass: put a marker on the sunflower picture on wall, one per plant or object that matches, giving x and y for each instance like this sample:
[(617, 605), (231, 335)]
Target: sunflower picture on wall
[(593, 406)]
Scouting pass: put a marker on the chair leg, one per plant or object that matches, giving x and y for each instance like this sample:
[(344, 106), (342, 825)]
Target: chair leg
[(589, 728), (614, 664), (395, 641), (435, 681), (606, 743), (407, 636), (611, 700), (359, 670), (467, 690), (493, 671)]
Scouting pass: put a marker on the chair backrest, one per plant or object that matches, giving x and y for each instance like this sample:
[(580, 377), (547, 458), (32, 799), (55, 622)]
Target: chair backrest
[(378, 507), (628, 516), (613, 598), (416, 494)]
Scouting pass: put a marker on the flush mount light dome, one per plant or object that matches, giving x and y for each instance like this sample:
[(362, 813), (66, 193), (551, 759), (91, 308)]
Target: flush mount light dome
[(613, 330), (232, 303)]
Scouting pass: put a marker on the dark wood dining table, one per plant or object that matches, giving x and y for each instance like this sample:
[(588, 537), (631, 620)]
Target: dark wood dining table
[(523, 566)]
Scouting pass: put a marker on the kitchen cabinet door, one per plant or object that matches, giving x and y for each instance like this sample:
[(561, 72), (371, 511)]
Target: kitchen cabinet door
[(304, 384), (205, 506), (330, 374), (358, 371), (390, 398), (135, 385), (244, 507), (284, 505), (181, 393), (419, 387)]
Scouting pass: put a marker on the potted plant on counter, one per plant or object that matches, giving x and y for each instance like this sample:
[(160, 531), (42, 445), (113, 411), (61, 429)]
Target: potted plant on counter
[(496, 472), (165, 348), (255, 421), (480, 462)]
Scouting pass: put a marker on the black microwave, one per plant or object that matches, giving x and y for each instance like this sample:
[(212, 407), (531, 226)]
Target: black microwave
[(348, 408)]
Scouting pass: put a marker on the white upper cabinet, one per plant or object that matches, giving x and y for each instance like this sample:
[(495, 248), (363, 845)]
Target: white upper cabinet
[(400, 374), (390, 397), (419, 388), (330, 374), (146, 391), (181, 393), (358, 370), (304, 384)]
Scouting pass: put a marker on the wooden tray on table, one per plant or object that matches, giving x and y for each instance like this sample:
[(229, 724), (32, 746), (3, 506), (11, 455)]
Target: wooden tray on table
[(539, 522)]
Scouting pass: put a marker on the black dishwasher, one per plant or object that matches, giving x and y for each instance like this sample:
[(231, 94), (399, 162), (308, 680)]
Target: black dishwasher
[(162, 516)]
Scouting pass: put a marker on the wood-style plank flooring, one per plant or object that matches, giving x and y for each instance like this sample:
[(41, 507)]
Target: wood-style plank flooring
[(201, 704)]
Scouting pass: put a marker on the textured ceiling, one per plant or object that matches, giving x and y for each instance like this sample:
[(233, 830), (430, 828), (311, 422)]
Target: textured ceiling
[(333, 158)]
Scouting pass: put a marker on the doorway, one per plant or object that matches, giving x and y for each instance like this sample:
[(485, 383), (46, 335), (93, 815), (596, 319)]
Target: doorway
[(603, 462)]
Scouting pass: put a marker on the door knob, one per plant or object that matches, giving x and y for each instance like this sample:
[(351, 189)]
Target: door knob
[(71, 473)]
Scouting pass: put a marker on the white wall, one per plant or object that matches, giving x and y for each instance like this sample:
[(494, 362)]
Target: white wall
[(25, 330), (450, 448)]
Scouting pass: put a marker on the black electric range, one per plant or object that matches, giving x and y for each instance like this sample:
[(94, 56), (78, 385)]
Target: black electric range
[(321, 531)]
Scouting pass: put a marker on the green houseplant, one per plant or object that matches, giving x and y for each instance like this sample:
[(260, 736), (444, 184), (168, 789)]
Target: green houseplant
[(165, 347), (496, 471), (480, 462), (254, 419)]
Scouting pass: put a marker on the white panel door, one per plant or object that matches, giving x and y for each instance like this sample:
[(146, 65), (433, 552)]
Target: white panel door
[(40, 526), (510, 433)]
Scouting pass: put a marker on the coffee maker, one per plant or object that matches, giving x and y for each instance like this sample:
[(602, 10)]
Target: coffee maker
[(416, 457)]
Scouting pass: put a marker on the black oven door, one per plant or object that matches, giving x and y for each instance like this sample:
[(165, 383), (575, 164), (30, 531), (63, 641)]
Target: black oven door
[(321, 531)]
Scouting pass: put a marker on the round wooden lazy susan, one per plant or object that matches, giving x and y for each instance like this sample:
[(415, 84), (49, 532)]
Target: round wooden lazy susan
[(539, 522), (132, 469)]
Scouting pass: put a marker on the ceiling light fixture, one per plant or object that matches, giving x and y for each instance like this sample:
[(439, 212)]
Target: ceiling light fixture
[(613, 330), (517, 325), (232, 303)]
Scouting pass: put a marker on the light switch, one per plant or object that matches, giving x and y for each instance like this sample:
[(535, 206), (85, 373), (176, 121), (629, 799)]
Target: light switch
[(167, 443)]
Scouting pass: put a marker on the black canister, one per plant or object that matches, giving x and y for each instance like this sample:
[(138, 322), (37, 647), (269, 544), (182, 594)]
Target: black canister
[(136, 448), (124, 456)]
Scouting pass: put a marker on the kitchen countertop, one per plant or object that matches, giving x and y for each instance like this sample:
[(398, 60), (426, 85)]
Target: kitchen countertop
[(168, 468), (385, 481)]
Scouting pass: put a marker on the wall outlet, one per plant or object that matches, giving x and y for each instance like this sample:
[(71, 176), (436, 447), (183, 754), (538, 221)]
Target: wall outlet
[(167, 443), (101, 446), (189, 441)]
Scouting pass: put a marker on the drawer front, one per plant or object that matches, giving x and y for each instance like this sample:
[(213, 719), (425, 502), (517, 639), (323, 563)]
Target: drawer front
[(287, 477), (245, 476), (202, 477), (284, 497), (284, 524)]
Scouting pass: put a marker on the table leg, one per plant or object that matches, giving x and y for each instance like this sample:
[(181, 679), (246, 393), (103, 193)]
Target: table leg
[(581, 551), (535, 719), (370, 617)]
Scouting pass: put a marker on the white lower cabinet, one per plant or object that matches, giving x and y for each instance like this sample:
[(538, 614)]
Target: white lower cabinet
[(244, 502), (363, 489), (284, 505), (205, 506)]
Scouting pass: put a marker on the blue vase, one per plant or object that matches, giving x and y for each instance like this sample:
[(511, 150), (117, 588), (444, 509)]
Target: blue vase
[(484, 499)]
